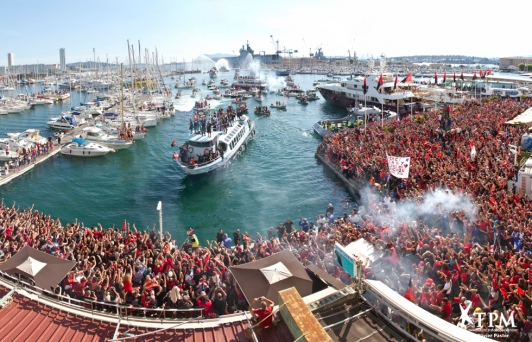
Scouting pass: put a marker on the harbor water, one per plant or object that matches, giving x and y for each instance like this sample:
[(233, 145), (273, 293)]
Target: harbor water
[(276, 177)]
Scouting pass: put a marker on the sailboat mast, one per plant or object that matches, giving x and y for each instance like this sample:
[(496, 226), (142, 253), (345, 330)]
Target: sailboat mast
[(122, 91)]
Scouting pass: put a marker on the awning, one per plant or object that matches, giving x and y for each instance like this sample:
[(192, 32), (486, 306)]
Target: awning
[(266, 277), (44, 269)]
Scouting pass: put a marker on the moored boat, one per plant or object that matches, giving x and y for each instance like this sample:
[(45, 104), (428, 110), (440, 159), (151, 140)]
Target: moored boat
[(82, 148)]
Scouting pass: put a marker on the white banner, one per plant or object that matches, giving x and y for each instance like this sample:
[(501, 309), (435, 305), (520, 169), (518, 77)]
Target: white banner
[(399, 166)]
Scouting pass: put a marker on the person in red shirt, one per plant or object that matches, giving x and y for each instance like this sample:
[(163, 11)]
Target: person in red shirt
[(204, 302), (446, 309), (265, 311)]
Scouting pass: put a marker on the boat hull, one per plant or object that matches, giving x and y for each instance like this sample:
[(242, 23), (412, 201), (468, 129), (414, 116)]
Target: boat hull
[(199, 172)]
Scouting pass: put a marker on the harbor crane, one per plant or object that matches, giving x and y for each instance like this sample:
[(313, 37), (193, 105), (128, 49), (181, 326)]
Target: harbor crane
[(310, 50), (275, 46)]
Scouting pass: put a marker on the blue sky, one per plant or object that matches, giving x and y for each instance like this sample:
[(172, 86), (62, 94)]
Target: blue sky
[(35, 30)]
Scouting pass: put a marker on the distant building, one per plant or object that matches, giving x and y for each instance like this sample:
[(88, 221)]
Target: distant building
[(10, 60), (62, 60), (506, 62)]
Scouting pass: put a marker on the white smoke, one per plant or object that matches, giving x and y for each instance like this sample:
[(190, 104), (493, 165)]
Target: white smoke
[(254, 68), (275, 83), (433, 204)]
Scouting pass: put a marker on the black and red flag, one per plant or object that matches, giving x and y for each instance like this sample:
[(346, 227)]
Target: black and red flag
[(475, 75), (462, 75), (444, 76), (395, 82), (483, 74), (454, 77), (435, 78), (408, 78), (365, 87), (380, 83)]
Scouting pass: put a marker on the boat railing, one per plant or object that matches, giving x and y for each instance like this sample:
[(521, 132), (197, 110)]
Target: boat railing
[(94, 306)]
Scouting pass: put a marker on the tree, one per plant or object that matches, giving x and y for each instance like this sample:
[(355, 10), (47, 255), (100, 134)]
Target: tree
[(521, 66), (529, 67)]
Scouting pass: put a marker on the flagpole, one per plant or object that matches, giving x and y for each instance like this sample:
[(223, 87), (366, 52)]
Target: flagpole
[(382, 110)]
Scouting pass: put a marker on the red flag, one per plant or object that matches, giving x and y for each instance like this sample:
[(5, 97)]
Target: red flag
[(384, 228), (404, 227), (444, 76), (504, 293), (407, 79), (409, 294), (365, 87), (475, 75), (491, 72), (124, 225), (530, 275), (435, 78), (395, 82), (380, 82), (520, 291), (454, 76)]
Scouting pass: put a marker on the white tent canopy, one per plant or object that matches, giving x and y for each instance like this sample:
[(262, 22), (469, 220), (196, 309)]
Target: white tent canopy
[(276, 272), (523, 118), (31, 266)]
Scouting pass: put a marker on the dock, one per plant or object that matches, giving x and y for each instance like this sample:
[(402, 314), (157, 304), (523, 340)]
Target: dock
[(13, 173), (351, 186)]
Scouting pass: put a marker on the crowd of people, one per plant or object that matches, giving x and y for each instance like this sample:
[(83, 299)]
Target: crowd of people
[(448, 256), (27, 155), (473, 255)]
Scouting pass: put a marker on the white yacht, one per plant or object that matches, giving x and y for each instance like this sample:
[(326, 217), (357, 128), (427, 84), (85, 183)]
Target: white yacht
[(231, 143), (30, 135), (82, 148), (95, 134), (64, 123)]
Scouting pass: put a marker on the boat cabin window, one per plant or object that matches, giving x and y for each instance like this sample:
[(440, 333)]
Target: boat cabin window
[(200, 144)]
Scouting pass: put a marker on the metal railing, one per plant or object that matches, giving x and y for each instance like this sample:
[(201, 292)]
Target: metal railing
[(94, 306)]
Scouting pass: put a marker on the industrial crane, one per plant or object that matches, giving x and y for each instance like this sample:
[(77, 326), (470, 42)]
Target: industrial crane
[(310, 50), (275, 47)]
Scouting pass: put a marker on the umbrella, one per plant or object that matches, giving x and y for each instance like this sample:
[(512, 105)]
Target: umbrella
[(266, 277), (44, 269)]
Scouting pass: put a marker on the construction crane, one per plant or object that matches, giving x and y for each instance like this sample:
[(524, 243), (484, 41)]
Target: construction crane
[(310, 50), (275, 46)]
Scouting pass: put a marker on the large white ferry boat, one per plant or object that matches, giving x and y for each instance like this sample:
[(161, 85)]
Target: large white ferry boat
[(204, 154)]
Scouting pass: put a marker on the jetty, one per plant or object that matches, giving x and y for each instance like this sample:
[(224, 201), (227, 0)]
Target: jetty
[(17, 172), (350, 184)]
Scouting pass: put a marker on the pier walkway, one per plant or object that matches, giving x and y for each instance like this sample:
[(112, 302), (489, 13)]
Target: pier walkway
[(351, 186), (15, 173)]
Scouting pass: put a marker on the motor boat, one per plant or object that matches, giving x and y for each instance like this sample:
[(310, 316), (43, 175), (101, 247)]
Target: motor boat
[(30, 135), (193, 157), (64, 122), (82, 148), (262, 110), (42, 101), (95, 134), (278, 105)]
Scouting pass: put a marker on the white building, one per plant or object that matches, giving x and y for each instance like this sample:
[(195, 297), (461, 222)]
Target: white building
[(10, 60), (62, 60)]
